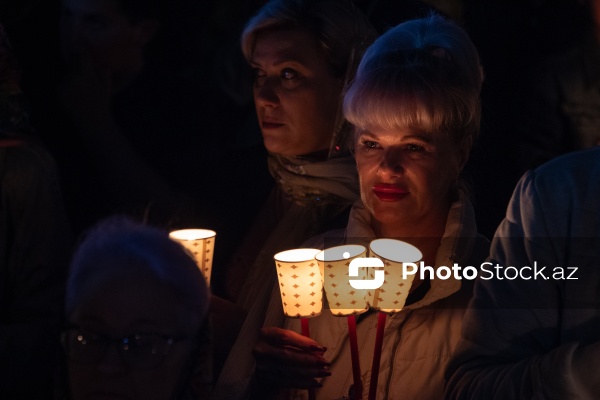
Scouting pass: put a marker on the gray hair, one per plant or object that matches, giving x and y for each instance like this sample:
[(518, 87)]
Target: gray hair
[(422, 75), (117, 245)]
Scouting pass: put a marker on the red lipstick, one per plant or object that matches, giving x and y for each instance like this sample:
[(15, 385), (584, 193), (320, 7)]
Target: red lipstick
[(387, 192)]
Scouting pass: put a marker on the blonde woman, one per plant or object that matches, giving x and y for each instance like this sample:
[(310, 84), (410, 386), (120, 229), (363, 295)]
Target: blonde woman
[(415, 105)]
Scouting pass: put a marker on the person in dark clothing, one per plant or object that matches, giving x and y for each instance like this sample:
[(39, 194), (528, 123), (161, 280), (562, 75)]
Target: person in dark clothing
[(35, 241)]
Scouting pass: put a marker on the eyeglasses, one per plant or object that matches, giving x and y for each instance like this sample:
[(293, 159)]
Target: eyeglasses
[(141, 351)]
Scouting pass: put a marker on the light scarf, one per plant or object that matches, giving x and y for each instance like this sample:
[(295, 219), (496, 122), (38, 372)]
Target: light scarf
[(334, 181)]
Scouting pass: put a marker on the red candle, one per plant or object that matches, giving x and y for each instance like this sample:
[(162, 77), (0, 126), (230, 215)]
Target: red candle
[(306, 332), (355, 360), (377, 355)]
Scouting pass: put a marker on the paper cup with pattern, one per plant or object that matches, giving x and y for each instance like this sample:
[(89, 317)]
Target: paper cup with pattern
[(201, 244)]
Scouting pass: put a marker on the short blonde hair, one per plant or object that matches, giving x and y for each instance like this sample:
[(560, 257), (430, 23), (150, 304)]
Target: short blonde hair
[(422, 75)]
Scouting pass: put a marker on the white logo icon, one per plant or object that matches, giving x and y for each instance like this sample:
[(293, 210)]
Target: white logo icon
[(366, 262)]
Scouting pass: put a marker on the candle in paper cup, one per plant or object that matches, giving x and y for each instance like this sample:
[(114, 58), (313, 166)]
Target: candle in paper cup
[(391, 296), (343, 299), (201, 244), (300, 283)]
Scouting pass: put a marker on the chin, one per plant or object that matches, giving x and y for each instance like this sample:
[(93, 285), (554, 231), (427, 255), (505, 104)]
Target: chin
[(274, 146), (390, 219), (388, 214)]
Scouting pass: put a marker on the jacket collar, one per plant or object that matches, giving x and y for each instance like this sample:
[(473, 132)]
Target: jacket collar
[(456, 244)]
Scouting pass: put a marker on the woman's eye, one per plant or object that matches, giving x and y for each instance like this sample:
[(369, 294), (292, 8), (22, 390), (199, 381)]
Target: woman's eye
[(369, 144), (259, 77), (414, 148), (288, 74)]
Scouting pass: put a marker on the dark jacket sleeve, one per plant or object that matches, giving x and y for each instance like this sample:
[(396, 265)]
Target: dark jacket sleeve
[(35, 242), (515, 344)]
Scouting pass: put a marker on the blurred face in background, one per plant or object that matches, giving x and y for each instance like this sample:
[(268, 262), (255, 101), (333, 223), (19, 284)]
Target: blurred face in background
[(295, 91), (98, 32), (125, 306)]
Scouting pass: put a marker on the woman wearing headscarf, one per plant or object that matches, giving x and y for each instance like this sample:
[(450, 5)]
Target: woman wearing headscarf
[(302, 53)]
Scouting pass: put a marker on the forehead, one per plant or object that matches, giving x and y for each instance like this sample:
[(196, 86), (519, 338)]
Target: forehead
[(285, 45), (400, 134), (129, 302), (437, 139)]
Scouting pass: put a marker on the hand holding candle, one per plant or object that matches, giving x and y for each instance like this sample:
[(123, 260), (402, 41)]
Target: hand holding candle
[(286, 359), (301, 287)]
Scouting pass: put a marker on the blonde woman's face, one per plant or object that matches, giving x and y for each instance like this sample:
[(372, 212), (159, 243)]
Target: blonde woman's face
[(406, 178), (295, 92)]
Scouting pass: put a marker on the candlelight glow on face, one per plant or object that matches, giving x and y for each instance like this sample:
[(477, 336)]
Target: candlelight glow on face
[(415, 117)]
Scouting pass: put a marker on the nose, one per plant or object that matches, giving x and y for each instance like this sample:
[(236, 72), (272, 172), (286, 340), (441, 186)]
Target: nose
[(391, 163), (266, 95), (112, 362)]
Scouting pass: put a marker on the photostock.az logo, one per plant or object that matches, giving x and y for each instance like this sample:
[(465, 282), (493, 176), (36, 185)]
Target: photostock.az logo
[(366, 262)]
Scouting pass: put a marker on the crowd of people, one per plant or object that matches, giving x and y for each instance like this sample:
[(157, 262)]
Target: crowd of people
[(283, 124)]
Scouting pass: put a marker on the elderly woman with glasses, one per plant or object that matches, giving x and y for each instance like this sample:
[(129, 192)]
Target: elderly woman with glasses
[(136, 304), (415, 105)]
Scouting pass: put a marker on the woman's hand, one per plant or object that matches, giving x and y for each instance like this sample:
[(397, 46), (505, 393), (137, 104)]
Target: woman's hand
[(287, 359)]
